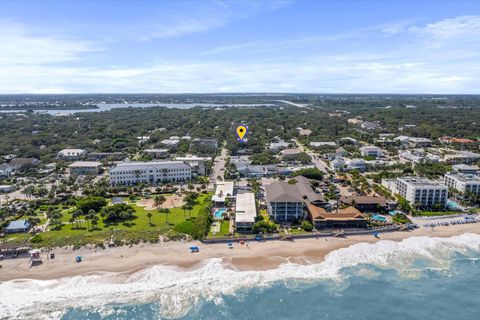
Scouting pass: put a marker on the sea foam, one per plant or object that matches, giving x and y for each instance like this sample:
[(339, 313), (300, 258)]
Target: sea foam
[(177, 290)]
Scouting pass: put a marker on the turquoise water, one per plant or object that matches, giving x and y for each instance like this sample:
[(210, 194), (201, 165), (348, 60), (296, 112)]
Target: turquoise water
[(219, 213), (379, 218), (418, 278), (451, 205), (368, 292)]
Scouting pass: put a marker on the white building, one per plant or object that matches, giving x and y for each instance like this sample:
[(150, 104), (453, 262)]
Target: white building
[(71, 154), (279, 145), (338, 164), (170, 143), (198, 164), (85, 167), (245, 211), (466, 157), (419, 156), (463, 182), (150, 172), (423, 192), (223, 191), (371, 151), (463, 168)]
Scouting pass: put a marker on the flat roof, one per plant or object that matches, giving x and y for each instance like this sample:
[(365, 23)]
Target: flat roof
[(245, 208), (417, 181), (222, 190), (464, 177), (81, 164)]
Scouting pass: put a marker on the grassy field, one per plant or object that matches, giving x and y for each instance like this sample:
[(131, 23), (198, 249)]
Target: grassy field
[(437, 213), (224, 230), (133, 230)]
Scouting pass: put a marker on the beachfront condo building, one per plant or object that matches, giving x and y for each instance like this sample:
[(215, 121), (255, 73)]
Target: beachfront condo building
[(129, 173), (245, 211), (286, 201), (463, 182), (422, 192)]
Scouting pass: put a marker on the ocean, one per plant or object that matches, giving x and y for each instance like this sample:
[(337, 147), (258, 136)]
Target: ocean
[(417, 278)]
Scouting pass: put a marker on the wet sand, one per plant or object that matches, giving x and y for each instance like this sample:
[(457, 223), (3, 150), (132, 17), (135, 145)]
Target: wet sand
[(255, 256)]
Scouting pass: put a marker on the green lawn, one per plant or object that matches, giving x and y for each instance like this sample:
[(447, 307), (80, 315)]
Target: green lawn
[(131, 231), (224, 229), (437, 213)]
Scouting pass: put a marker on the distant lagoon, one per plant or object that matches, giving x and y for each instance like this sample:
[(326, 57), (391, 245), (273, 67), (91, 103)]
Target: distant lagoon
[(110, 106)]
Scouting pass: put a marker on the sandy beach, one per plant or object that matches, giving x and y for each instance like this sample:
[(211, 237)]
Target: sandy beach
[(255, 256)]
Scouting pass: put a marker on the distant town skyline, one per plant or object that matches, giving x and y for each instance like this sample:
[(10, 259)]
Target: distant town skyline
[(405, 47)]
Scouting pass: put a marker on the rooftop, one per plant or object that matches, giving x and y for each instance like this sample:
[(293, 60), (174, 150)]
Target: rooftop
[(418, 181), (82, 164), (464, 177), (245, 208), (222, 190), (350, 213), (299, 192), (364, 200)]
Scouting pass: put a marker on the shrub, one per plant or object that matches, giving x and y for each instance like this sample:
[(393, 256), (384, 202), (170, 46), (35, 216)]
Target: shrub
[(36, 239), (91, 203), (310, 173), (306, 225), (197, 228), (264, 227)]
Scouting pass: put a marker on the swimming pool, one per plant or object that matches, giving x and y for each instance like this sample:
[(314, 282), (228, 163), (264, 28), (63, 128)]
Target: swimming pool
[(451, 205), (218, 214), (379, 218)]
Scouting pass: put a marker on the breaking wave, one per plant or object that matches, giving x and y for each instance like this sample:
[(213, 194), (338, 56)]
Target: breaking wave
[(176, 290)]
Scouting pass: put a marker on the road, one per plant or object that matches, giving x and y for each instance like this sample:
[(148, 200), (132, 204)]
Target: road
[(218, 166), (319, 163)]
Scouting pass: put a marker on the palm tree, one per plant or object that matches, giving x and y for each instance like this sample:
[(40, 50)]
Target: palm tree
[(95, 220), (159, 200), (184, 208), (149, 215), (189, 208)]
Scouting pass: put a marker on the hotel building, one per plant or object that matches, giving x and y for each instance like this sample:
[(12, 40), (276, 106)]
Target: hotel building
[(423, 192), (129, 173)]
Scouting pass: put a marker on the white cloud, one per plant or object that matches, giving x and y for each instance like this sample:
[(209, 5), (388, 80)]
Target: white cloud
[(458, 27), (320, 74), (18, 46)]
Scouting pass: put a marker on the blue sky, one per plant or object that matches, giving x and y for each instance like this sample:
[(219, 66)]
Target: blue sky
[(240, 46)]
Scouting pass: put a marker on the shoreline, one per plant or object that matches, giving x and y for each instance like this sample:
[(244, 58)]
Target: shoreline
[(256, 257)]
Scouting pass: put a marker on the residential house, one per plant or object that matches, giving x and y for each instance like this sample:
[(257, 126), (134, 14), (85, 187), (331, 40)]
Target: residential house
[(6, 171), (22, 164), (71, 154), (223, 191), (371, 151), (85, 167), (157, 153), (102, 156)]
